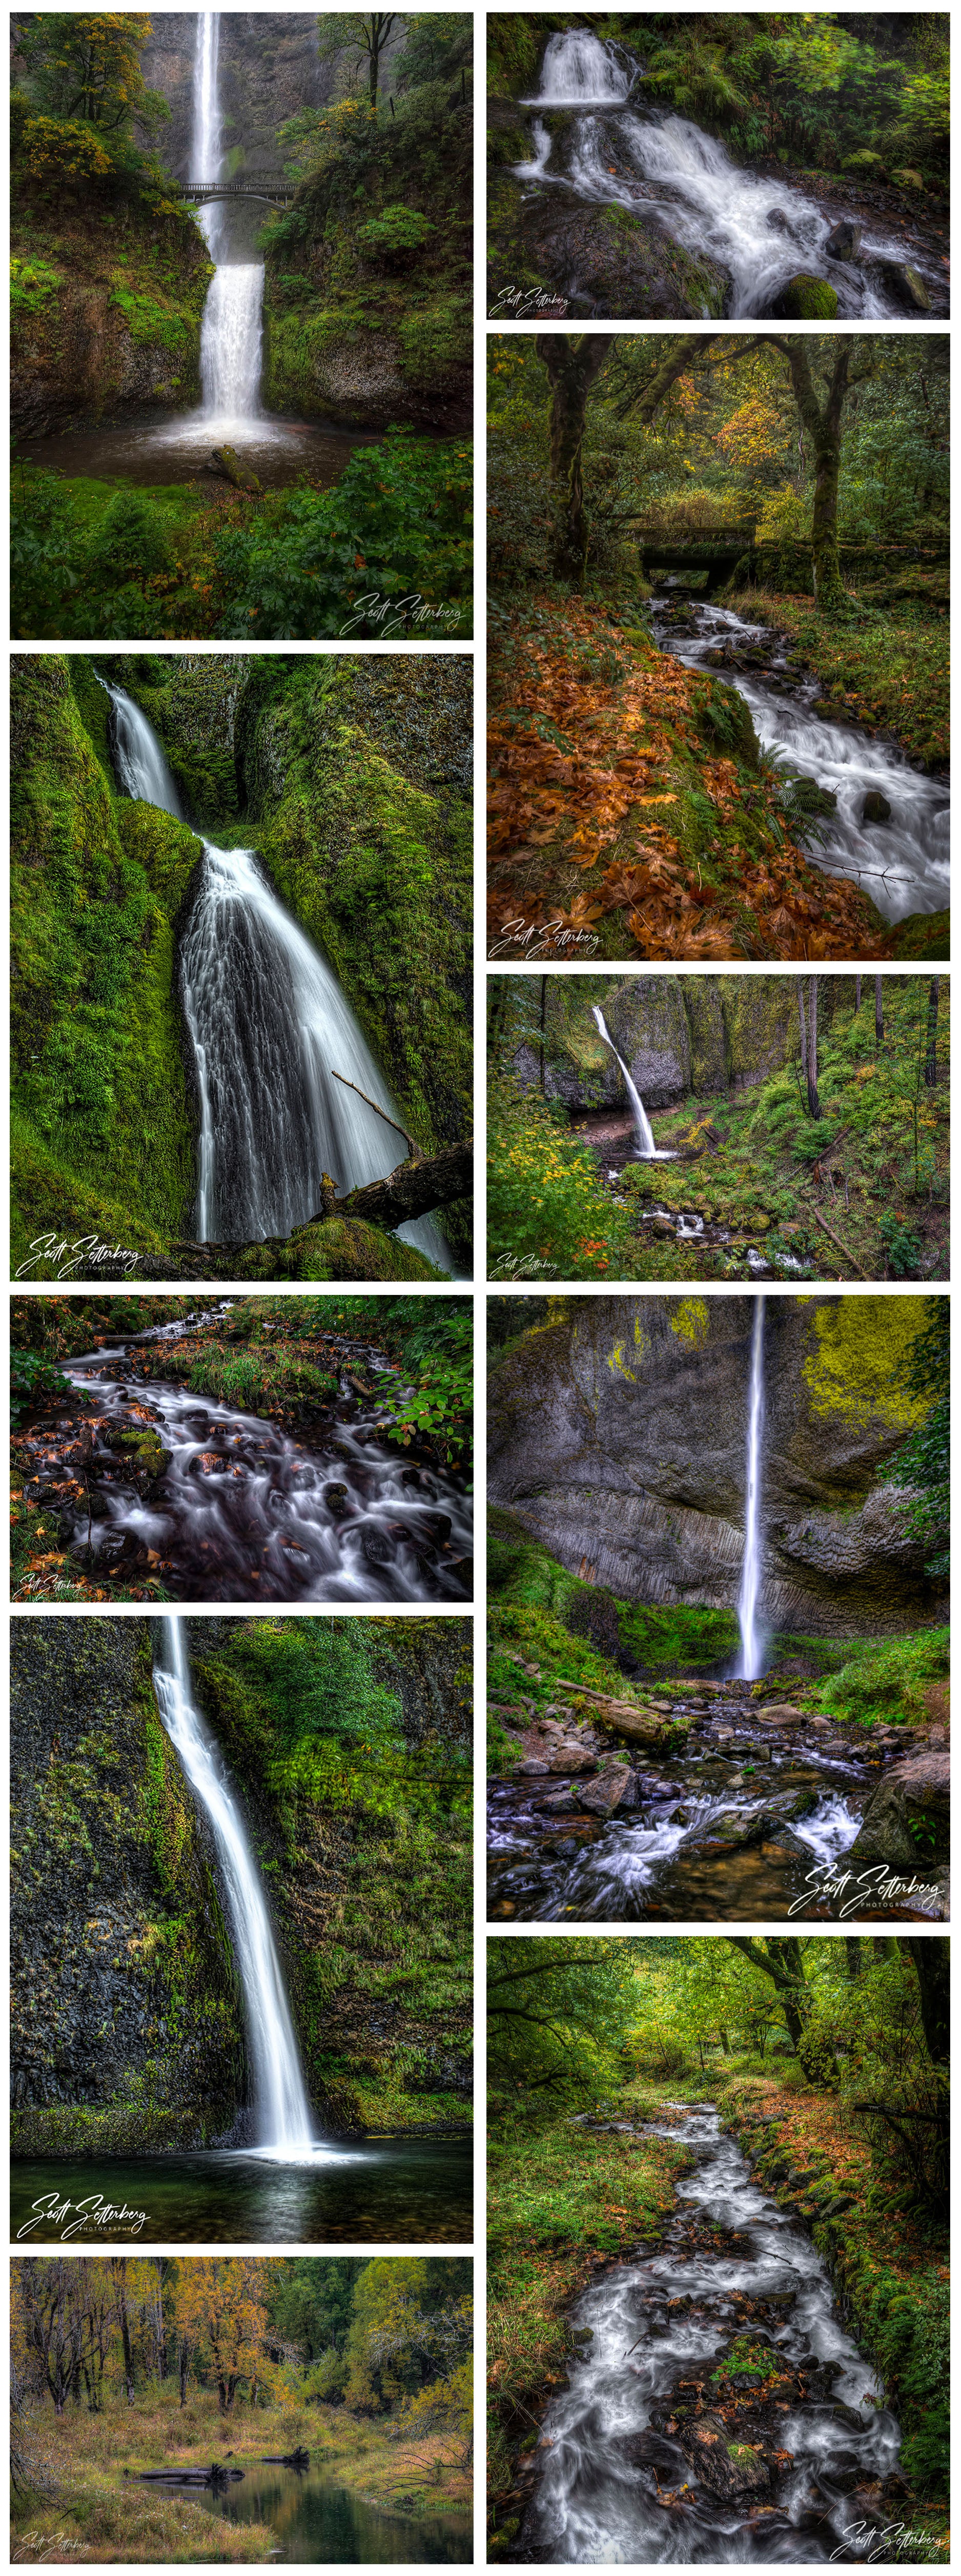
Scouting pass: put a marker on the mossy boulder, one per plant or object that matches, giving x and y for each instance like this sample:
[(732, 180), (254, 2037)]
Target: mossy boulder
[(805, 299)]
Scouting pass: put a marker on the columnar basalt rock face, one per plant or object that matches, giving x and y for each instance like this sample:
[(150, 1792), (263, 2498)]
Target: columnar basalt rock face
[(679, 1036), (617, 1435), (124, 2003)]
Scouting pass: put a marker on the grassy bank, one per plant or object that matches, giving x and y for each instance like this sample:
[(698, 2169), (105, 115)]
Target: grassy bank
[(95, 2516), (886, 670)]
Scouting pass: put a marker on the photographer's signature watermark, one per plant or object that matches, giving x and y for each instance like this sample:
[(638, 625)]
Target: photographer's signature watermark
[(881, 2537), (66, 2218), (520, 300), (541, 940), (875, 1886), (522, 1265), (67, 1257), (393, 614)]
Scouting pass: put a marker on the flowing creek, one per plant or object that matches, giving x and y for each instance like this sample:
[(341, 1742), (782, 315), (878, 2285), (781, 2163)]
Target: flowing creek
[(270, 1032), (609, 148), (242, 1510), (641, 2467), (903, 864), (727, 1830)]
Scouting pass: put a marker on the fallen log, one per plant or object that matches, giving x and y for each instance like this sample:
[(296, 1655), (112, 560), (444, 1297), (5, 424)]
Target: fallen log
[(643, 1725), (413, 1189), (225, 462), (835, 1238)]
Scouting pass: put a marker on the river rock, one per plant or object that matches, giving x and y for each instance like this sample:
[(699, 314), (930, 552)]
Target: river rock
[(602, 1796), (875, 808), (906, 285), (845, 241), (804, 298), (917, 1790)]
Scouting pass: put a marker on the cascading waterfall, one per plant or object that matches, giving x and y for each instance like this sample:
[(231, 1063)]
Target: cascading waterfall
[(269, 1026), (751, 1650), (231, 332), (280, 2099), (759, 230), (648, 1151)]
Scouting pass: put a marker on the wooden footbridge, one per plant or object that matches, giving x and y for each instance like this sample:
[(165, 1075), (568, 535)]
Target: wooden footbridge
[(268, 186)]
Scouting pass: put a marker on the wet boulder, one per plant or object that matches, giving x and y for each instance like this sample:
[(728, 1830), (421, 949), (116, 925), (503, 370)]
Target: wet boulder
[(603, 1796), (804, 298), (906, 285), (875, 808), (845, 241), (915, 1793)]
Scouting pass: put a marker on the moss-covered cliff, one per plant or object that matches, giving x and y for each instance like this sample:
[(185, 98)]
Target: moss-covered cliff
[(679, 1035), (107, 296), (353, 781), (617, 1436), (350, 1748)]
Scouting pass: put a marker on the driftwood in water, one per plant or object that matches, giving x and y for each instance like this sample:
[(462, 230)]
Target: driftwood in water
[(414, 1188), (216, 2476), (226, 462), (299, 2459)]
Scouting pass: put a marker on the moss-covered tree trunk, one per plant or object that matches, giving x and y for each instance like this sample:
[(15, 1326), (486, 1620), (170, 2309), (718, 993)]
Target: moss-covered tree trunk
[(571, 366), (823, 421)]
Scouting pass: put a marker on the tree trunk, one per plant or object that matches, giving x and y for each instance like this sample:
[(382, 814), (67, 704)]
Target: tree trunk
[(857, 995), (543, 1018), (184, 2373), (853, 1954), (932, 1968), (414, 1189), (804, 1029), (931, 1062), (814, 1104), (572, 365), (878, 1013), (783, 1962), (823, 422)]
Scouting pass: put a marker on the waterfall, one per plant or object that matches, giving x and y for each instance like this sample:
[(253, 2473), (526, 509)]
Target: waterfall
[(648, 1151), (280, 2099), (269, 1027), (143, 772), (580, 70), (751, 1651), (661, 166), (231, 331)]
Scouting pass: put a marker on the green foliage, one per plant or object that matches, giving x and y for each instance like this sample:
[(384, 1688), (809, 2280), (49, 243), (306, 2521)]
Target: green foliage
[(557, 2016), (885, 1683), (33, 1380), (924, 1462), (32, 282), (398, 230), (902, 1246), (399, 518)]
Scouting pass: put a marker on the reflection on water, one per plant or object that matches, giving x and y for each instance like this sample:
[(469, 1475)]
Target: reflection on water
[(175, 450), (318, 2523), (394, 2190)]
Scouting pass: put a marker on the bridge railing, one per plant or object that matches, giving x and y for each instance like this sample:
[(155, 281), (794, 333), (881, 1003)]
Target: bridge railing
[(260, 183)]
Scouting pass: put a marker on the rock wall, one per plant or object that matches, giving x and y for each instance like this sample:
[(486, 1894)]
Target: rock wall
[(269, 68), (617, 1435), (127, 2016), (679, 1035)]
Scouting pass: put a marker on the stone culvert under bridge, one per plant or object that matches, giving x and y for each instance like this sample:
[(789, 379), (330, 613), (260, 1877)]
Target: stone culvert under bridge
[(617, 1436)]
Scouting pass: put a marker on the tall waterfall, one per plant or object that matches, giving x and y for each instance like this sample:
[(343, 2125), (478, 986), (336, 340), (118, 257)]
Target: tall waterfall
[(280, 2099), (751, 1651), (231, 332), (269, 1027), (646, 1147)]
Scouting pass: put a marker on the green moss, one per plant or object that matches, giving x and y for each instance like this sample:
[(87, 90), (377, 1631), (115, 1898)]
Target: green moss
[(857, 1360), (808, 299)]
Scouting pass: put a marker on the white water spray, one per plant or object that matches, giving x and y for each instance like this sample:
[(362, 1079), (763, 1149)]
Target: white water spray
[(231, 332), (750, 1665), (580, 70), (649, 1152), (280, 2099), (269, 1026)]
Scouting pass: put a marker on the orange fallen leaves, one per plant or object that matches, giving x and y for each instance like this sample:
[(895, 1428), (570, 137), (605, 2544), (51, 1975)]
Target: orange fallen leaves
[(576, 803)]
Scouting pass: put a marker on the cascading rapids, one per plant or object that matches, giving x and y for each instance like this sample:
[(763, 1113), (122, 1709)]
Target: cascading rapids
[(758, 230), (269, 1029)]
